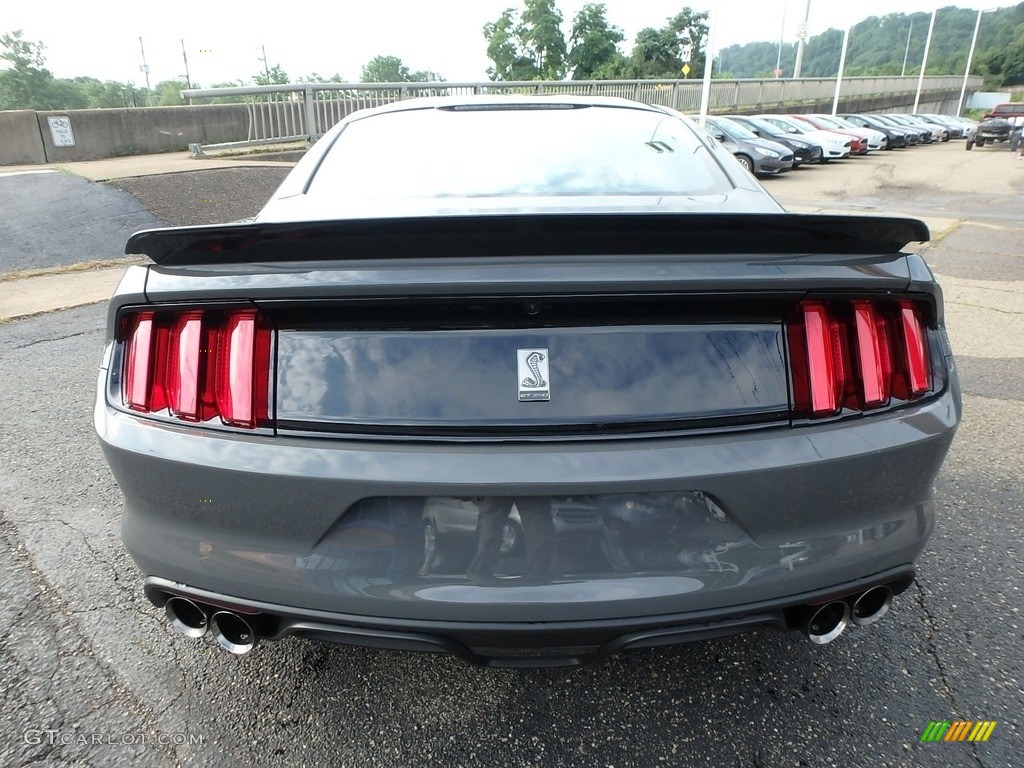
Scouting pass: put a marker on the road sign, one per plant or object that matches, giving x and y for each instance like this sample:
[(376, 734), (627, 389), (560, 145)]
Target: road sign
[(686, 69), (60, 131)]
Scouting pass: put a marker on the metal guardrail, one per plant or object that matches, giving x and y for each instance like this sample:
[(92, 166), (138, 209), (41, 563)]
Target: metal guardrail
[(305, 111)]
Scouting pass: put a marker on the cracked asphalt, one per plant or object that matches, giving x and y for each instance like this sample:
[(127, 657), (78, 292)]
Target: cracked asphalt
[(84, 658)]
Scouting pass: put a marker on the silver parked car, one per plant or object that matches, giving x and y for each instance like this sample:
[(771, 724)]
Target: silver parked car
[(647, 404)]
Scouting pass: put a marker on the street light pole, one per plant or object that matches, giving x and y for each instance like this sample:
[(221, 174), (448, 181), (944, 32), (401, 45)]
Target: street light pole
[(924, 62), (782, 35), (705, 90), (842, 66), (970, 57), (801, 36), (906, 53)]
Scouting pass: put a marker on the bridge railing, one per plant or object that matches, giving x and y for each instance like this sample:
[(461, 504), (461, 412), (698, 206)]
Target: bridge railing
[(305, 111)]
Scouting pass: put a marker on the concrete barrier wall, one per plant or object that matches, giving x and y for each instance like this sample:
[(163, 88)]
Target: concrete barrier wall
[(101, 133), (20, 140), (25, 136)]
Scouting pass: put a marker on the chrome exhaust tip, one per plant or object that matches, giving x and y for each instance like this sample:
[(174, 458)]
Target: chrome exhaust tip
[(186, 616), (828, 622), (233, 633), (871, 606)]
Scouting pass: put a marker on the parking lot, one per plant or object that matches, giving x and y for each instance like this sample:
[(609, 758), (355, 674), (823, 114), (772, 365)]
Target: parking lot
[(92, 674)]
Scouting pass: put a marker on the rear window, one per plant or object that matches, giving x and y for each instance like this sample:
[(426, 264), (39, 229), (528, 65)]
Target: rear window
[(541, 151)]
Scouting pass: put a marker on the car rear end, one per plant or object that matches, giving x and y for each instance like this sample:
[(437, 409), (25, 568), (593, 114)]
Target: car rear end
[(701, 423)]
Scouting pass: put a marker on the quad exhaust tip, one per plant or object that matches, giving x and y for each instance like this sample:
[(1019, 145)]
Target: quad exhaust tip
[(187, 616), (828, 622), (233, 633), (871, 606)]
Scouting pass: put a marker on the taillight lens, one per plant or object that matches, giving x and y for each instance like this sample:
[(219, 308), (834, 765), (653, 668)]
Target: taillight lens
[(824, 359), (856, 355), (914, 352), (138, 369), (185, 352), (873, 353), (199, 366)]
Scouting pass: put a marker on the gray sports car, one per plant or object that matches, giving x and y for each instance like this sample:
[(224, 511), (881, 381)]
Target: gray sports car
[(577, 319)]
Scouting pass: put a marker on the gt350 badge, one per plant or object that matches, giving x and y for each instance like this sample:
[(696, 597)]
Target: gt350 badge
[(534, 378)]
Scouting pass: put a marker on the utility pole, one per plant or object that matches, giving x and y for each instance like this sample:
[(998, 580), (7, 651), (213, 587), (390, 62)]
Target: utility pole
[(184, 56), (266, 69), (144, 69), (801, 41)]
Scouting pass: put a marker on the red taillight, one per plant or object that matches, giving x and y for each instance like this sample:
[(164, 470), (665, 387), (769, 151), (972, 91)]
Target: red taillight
[(914, 351), (138, 367), (199, 366), (856, 355), (824, 359), (185, 349), (239, 388), (873, 354)]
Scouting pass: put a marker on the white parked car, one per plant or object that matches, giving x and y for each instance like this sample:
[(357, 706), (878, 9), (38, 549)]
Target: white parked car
[(876, 140), (834, 146)]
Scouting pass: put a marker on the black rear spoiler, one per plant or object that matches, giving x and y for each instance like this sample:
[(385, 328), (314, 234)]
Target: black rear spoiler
[(528, 235)]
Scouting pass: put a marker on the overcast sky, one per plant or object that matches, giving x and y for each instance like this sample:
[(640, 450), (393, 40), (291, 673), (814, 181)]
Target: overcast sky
[(223, 39)]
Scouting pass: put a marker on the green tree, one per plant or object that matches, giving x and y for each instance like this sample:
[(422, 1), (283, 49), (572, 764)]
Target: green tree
[(25, 84), (167, 93), (274, 76), (542, 38), (527, 46), (391, 69), (658, 52), (594, 43), (505, 48)]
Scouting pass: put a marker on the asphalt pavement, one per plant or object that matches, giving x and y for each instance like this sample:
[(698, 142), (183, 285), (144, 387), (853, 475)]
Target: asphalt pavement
[(56, 219), (89, 665)]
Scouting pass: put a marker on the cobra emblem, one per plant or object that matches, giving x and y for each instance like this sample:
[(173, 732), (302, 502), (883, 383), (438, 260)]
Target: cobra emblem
[(537, 380)]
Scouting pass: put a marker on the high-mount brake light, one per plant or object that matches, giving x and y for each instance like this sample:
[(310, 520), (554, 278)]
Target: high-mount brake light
[(198, 366), (856, 355)]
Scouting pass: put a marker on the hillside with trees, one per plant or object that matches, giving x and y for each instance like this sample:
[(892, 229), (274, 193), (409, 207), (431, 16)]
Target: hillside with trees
[(879, 45), (535, 42)]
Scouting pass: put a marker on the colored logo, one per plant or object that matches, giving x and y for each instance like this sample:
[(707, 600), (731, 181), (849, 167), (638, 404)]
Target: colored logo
[(958, 730)]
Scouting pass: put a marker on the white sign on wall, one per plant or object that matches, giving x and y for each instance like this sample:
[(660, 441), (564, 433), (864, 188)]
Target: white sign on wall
[(61, 131)]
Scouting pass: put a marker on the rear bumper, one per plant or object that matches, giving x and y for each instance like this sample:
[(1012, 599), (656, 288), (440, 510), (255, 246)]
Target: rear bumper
[(318, 524), (527, 644)]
